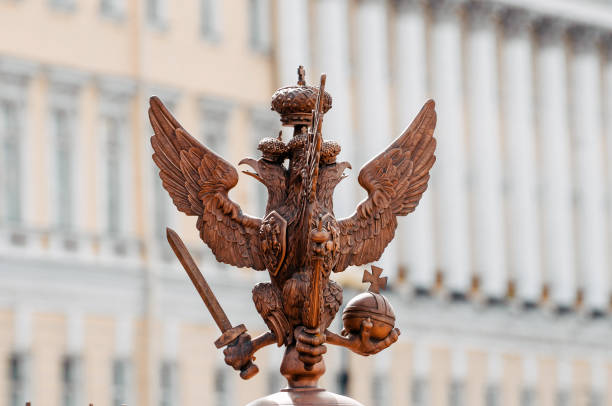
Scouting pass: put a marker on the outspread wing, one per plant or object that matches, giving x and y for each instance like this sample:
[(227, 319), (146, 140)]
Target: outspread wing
[(395, 181), (198, 181)]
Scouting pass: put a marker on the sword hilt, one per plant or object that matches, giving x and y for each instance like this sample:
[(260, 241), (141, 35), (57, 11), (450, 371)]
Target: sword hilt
[(232, 336)]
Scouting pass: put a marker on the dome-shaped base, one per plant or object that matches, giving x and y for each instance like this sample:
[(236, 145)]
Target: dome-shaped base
[(304, 397)]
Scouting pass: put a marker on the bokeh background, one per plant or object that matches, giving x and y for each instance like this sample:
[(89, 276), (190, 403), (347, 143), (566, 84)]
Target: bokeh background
[(500, 279)]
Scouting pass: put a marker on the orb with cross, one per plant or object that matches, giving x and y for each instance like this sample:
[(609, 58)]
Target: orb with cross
[(369, 314)]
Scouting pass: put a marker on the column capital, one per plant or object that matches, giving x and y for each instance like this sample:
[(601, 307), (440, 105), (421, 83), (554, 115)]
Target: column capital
[(550, 30), (516, 21), (481, 15), (406, 5), (583, 38), (606, 44), (445, 8)]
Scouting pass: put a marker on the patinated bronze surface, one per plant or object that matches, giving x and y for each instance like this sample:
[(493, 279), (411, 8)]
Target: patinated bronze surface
[(299, 241)]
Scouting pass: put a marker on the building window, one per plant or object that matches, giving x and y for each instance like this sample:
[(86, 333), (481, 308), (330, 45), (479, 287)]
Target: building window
[(211, 20), (528, 397), (222, 391), (113, 170), (563, 398), (10, 170), (419, 392), (456, 393), (17, 376), (342, 381), (121, 381), (114, 9), (259, 25), (156, 13), (70, 381), (63, 5), (264, 124), (215, 115), (492, 395), (380, 389), (168, 384), (64, 173)]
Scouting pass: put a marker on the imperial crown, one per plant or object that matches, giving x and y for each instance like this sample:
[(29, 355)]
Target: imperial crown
[(296, 103)]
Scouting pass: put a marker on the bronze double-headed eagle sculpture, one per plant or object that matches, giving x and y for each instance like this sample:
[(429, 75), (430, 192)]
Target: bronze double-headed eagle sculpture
[(299, 241)]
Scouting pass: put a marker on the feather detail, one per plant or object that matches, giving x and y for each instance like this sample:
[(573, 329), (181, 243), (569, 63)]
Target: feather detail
[(198, 181), (395, 181)]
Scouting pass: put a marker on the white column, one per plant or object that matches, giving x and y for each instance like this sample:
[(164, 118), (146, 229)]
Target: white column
[(485, 155), (555, 174), (411, 92), (588, 168), (449, 173), (333, 59), (519, 142), (293, 48), (373, 94)]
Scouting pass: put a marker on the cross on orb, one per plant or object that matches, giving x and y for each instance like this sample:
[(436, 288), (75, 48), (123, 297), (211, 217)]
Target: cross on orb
[(376, 282)]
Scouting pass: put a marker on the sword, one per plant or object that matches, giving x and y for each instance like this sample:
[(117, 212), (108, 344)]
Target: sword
[(230, 335)]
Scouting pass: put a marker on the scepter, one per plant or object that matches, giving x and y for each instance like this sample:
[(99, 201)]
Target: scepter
[(313, 155)]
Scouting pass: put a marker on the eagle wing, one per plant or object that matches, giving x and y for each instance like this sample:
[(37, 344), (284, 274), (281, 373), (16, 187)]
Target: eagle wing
[(198, 181), (395, 181)]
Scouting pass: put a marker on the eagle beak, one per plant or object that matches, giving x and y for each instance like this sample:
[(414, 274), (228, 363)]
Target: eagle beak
[(253, 164), (343, 166)]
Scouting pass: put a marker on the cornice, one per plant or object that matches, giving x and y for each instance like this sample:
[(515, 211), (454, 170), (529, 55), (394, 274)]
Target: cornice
[(116, 86), (216, 107), (17, 69), (67, 79)]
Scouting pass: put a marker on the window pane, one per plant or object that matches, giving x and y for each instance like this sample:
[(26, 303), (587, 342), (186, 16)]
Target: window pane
[(120, 382), (168, 383), (70, 384), (17, 379), (64, 173), (11, 162), (113, 175)]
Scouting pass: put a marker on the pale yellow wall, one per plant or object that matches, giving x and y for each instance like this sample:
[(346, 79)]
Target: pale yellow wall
[(360, 381), (195, 363), (440, 376), (511, 384), (547, 383), (145, 366), (581, 380), (98, 352), (476, 378), (48, 350), (401, 362)]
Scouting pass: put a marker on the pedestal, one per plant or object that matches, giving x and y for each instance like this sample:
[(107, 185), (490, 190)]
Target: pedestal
[(302, 390)]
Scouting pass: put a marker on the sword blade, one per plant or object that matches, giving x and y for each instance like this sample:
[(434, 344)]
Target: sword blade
[(198, 280)]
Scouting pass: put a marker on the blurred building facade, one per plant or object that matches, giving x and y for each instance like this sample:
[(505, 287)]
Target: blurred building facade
[(500, 279)]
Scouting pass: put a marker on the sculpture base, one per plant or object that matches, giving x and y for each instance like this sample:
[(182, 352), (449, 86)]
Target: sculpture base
[(304, 397), (302, 389)]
